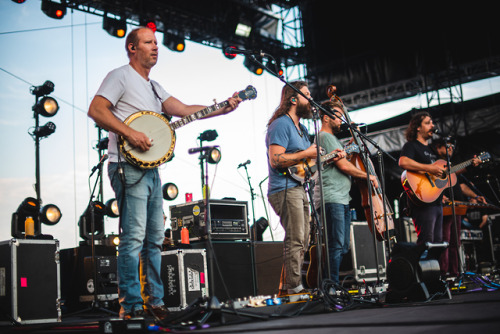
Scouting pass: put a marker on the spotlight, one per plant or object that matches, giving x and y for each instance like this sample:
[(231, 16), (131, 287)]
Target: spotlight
[(151, 24), (253, 66), (50, 214), (174, 42), (114, 27), (170, 191), (46, 107), (228, 55), (102, 144), (259, 228), (208, 135), (45, 131), (45, 89), (28, 208), (112, 240), (112, 208), (213, 156), (243, 30), (19, 1), (85, 221), (53, 9)]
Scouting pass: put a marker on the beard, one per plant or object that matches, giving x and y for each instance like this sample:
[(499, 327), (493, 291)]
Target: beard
[(303, 110)]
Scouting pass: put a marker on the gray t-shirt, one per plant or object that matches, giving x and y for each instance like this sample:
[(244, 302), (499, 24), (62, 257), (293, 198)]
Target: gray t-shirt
[(336, 185), (129, 93)]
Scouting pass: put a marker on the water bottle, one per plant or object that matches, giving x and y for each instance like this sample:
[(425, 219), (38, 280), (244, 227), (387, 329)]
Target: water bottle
[(29, 227)]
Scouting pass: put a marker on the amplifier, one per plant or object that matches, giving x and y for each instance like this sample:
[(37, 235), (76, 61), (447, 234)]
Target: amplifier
[(228, 220)]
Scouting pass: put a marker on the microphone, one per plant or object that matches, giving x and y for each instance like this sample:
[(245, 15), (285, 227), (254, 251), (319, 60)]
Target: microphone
[(234, 51), (199, 149), (436, 131), (243, 164), (98, 166)]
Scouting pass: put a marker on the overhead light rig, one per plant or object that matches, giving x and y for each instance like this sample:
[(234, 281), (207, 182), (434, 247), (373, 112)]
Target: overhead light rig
[(237, 23)]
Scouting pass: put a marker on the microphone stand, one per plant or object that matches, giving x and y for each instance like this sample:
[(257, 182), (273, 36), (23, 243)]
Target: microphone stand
[(252, 197), (453, 215)]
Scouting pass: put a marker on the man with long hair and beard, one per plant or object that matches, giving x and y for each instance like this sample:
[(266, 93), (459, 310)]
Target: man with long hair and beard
[(288, 143), (418, 156)]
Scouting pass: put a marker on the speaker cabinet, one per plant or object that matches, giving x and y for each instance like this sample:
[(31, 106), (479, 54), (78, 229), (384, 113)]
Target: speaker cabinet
[(268, 263), (230, 266)]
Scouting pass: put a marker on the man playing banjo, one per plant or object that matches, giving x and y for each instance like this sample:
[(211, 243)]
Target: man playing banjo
[(124, 91)]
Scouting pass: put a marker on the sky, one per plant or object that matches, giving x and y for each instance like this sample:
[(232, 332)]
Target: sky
[(75, 53)]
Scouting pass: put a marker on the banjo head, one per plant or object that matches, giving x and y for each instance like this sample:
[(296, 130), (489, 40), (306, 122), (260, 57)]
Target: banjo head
[(158, 129)]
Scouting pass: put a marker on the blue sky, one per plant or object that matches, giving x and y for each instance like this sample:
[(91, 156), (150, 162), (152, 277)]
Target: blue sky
[(75, 53)]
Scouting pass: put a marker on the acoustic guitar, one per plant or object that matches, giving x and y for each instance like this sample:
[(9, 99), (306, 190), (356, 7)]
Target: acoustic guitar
[(426, 188)]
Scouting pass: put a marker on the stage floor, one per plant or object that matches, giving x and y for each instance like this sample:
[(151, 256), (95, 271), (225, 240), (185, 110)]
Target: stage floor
[(466, 312)]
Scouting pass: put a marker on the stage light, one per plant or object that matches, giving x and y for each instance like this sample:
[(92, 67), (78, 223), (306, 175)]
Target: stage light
[(170, 191), (54, 10), (243, 30), (46, 107), (208, 135), (85, 222), (102, 144), (45, 89), (229, 55), (213, 156), (259, 228), (29, 207), (112, 240), (45, 131), (253, 66), (174, 42), (151, 24), (114, 27), (112, 208), (19, 1), (50, 214)]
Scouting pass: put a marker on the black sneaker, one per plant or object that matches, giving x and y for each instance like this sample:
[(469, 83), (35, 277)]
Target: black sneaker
[(158, 312), (135, 314)]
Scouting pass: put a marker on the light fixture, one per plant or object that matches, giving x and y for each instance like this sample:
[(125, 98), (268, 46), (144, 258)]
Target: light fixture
[(54, 10), (213, 155), (112, 240), (45, 89), (170, 191), (102, 144), (151, 24), (29, 207), (174, 42), (208, 135), (259, 228), (45, 130), (253, 65), (243, 30), (227, 54), (46, 107), (86, 219), (50, 214), (19, 1), (112, 208), (114, 27)]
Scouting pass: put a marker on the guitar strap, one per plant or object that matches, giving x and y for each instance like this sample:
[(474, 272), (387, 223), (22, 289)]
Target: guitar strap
[(169, 117)]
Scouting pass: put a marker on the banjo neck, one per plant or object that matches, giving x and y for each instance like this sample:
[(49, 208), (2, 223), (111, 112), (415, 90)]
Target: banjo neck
[(197, 115)]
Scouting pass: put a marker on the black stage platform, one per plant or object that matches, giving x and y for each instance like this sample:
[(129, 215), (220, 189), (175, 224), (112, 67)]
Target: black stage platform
[(472, 310)]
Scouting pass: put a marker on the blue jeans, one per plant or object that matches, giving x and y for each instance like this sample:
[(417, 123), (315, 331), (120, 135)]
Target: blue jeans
[(141, 236), (338, 222)]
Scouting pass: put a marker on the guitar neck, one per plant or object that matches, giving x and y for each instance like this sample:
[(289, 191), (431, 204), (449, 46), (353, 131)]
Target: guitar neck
[(197, 115), (460, 166)]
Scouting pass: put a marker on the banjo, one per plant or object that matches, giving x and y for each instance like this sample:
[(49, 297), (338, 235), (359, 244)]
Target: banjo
[(162, 133)]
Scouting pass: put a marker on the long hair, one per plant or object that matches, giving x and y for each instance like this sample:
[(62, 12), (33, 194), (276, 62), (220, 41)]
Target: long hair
[(415, 122), (286, 95)]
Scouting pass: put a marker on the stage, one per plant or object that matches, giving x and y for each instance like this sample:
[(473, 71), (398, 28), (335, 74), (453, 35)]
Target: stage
[(473, 309)]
